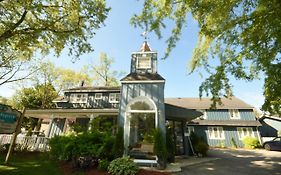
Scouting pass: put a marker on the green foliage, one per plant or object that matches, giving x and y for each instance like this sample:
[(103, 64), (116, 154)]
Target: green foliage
[(251, 142), (103, 75), (243, 36), (118, 146), (233, 143), (201, 148), (123, 166), (222, 144), (94, 144), (38, 97), (170, 145), (160, 146), (103, 164), (31, 27), (279, 133), (103, 124)]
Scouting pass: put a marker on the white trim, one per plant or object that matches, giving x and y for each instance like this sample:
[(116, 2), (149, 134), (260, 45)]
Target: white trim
[(141, 58), (99, 97), (235, 113), (242, 133), (115, 96), (220, 133), (144, 81), (142, 111)]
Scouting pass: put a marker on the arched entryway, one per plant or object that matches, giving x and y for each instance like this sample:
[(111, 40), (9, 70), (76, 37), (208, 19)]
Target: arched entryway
[(140, 121)]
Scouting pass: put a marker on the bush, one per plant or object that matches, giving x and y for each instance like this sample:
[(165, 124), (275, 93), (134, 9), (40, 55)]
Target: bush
[(118, 146), (160, 148), (170, 145), (122, 166), (251, 142), (201, 148), (199, 144), (233, 143), (103, 164), (89, 144)]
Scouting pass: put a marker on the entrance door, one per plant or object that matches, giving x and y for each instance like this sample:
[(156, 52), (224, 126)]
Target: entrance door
[(140, 123)]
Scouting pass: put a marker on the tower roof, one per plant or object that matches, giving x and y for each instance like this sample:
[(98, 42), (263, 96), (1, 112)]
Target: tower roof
[(145, 47)]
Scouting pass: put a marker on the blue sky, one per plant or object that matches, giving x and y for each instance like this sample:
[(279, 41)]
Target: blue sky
[(118, 39)]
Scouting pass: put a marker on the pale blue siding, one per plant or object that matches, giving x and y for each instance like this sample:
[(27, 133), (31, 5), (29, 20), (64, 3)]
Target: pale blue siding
[(218, 115), (229, 133), (247, 114)]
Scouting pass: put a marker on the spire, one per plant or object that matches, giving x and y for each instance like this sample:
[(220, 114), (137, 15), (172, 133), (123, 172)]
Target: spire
[(145, 47)]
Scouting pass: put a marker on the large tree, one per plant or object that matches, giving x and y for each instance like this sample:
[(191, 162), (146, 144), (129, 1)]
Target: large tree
[(103, 75), (29, 27), (243, 35)]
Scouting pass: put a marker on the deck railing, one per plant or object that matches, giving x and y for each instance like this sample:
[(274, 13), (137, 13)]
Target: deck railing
[(28, 143)]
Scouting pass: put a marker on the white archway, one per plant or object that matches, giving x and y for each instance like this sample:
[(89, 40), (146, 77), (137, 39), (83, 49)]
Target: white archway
[(141, 117)]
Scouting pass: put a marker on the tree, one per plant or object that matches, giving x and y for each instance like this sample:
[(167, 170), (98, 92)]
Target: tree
[(243, 35), (31, 27), (103, 75)]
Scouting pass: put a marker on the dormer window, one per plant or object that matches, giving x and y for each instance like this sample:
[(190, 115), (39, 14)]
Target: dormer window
[(143, 62), (78, 98), (114, 97), (234, 114)]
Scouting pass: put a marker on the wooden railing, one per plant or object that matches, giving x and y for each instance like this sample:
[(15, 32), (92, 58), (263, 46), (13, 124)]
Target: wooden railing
[(28, 143)]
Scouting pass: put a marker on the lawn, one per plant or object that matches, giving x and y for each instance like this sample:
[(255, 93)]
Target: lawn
[(29, 164)]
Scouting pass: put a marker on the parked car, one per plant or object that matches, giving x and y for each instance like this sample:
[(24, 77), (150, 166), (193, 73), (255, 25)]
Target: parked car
[(273, 145)]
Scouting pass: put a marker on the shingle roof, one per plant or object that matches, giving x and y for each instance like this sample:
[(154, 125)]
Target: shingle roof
[(205, 103), (142, 77), (145, 47)]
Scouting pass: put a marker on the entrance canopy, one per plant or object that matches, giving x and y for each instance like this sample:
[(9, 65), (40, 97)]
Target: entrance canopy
[(179, 113), (65, 113)]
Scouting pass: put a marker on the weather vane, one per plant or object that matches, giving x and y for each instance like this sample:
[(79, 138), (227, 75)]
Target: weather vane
[(145, 35)]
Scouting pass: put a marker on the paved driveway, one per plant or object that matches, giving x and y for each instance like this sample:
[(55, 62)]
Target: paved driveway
[(238, 162)]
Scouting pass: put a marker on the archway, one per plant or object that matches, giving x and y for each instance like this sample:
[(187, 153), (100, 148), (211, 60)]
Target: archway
[(140, 121)]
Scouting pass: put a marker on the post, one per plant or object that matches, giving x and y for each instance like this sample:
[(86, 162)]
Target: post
[(13, 140)]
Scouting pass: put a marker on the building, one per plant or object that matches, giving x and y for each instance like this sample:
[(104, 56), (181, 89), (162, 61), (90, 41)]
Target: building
[(226, 125), (271, 126), (139, 106)]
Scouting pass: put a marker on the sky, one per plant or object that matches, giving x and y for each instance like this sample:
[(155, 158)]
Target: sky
[(119, 39)]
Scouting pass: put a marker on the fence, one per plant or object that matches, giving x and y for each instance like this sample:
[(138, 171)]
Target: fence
[(29, 143)]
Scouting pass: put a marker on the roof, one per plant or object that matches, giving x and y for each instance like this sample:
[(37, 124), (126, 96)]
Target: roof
[(94, 89), (145, 47), (225, 122), (142, 77), (205, 103), (60, 99), (179, 113), (270, 117)]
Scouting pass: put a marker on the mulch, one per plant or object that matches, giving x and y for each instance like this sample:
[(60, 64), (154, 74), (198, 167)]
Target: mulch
[(68, 169)]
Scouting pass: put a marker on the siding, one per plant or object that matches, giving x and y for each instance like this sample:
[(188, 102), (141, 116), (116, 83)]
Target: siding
[(223, 114), (56, 128), (229, 133)]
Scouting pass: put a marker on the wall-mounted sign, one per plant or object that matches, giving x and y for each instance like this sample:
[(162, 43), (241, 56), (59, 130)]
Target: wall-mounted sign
[(8, 119)]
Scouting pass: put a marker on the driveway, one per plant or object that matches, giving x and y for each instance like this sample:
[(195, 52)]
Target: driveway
[(238, 162)]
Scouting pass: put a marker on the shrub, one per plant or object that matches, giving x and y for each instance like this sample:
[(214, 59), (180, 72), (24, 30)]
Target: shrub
[(122, 166), (251, 142), (103, 164), (170, 145), (199, 144), (118, 146), (160, 148), (201, 148), (233, 143), (279, 133), (71, 147)]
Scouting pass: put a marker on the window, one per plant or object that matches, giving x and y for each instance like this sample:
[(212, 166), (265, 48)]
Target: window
[(216, 133), (78, 98), (204, 116), (234, 114), (98, 96), (245, 132), (114, 97), (143, 62), (189, 129)]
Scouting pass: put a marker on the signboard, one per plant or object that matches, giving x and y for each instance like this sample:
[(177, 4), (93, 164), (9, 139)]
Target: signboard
[(8, 119)]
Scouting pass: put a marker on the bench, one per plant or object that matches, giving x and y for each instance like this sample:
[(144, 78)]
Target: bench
[(146, 162)]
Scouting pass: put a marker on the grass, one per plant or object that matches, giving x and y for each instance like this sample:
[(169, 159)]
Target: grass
[(29, 164)]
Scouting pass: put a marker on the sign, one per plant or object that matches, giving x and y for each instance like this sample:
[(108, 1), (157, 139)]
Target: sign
[(8, 119)]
